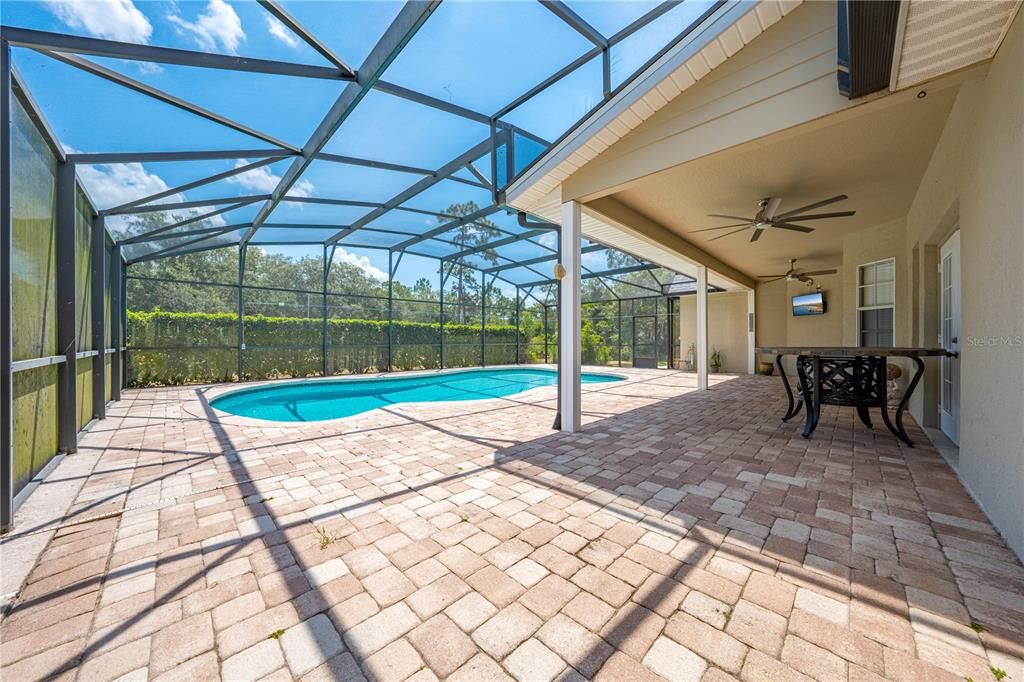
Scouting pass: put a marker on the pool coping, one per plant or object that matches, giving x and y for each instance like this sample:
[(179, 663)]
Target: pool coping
[(205, 409)]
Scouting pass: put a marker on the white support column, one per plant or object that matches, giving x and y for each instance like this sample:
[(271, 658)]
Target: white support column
[(702, 328), (569, 320), (751, 341)]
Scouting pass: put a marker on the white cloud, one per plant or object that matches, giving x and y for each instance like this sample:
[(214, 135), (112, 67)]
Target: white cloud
[(264, 181), (281, 32), (109, 19), (548, 239), (217, 28), (148, 67), (361, 262), (116, 184)]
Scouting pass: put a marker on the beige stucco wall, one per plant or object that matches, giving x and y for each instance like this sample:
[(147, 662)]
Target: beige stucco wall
[(776, 325), (727, 327), (976, 180), (867, 246)]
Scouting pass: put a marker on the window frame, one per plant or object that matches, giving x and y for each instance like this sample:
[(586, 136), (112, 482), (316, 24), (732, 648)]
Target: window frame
[(888, 306)]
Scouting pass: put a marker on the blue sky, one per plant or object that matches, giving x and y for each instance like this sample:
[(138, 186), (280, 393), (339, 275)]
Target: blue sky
[(479, 54)]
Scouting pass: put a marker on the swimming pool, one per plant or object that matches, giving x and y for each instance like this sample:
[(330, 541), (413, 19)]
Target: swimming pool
[(307, 401)]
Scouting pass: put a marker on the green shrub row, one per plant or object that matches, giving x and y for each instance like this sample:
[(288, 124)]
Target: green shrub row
[(168, 348)]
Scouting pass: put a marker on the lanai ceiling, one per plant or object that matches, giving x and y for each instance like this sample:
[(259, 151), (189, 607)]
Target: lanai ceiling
[(877, 159)]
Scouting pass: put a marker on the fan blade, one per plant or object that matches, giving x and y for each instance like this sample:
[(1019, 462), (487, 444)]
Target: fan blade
[(721, 227), (729, 233), (817, 204), (772, 207), (771, 276), (757, 235), (774, 279), (730, 217), (795, 228), (821, 216), (820, 272)]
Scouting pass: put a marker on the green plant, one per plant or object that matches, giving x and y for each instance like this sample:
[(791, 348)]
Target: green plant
[(997, 673), (276, 634), (325, 537), (593, 346), (976, 626), (716, 360), (172, 348)]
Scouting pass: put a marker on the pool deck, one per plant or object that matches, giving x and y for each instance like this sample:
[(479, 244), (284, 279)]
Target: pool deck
[(681, 535)]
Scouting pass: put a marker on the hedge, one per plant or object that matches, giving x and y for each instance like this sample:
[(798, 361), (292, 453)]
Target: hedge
[(168, 348)]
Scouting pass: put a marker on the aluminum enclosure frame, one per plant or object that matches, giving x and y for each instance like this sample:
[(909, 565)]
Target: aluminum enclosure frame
[(110, 264)]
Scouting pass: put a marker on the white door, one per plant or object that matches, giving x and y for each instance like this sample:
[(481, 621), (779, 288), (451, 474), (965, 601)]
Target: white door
[(949, 332)]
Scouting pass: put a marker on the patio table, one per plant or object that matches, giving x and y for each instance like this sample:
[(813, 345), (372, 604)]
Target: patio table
[(851, 376)]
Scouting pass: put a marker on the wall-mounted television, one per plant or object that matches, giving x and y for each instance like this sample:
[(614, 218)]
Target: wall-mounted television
[(809, 304)]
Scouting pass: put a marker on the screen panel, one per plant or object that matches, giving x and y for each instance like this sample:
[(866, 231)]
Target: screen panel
[(33, 295)]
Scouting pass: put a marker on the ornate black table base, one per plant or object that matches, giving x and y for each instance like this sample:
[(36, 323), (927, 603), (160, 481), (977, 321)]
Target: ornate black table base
[(858, 382)]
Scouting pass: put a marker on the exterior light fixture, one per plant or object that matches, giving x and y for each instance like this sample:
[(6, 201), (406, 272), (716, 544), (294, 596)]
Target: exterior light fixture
[(922, 94), (559, 271)]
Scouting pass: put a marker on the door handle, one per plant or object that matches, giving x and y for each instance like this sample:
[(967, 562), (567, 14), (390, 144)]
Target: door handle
[(955, 339)]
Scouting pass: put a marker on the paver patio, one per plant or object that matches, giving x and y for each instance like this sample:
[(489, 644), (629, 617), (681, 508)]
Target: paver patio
[(682, 535)]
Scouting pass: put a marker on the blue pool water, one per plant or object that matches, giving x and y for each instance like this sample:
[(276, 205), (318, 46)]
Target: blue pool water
[(306, 401)]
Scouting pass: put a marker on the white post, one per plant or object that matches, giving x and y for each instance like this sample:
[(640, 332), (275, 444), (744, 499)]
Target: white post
[(569, 322), (702, 328), (751, 341)]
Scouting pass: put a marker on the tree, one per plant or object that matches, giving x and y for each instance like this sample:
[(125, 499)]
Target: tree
[(469, 235)]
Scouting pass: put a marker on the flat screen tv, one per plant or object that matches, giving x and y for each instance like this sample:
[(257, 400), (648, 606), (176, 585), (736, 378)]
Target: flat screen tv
[(809, 304)]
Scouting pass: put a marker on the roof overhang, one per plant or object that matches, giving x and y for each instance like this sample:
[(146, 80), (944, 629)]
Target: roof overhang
[(938, 37), (735, 24)]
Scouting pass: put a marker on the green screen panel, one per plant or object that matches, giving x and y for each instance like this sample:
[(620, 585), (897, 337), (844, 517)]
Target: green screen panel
[(33, 194), (107, 362), (83, 271), (33, 292), (83, 385), (108, 332), (35, 422)]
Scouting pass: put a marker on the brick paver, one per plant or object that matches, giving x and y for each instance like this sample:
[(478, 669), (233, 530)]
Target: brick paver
[(680, 535)]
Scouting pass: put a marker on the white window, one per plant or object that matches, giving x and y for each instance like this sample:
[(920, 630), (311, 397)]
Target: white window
[(876, 303)]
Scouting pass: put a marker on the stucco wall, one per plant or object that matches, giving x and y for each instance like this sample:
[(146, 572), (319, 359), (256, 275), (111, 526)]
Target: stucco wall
[(867, 246), (727, 327), (976, 180), (777, 326)]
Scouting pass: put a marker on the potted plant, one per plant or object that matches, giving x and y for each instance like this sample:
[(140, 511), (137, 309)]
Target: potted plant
[(765, 368), (716, 361)]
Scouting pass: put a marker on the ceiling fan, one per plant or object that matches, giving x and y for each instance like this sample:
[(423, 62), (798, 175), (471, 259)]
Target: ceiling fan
[(792, 275), (768, 218)]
